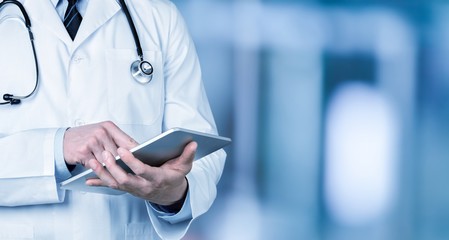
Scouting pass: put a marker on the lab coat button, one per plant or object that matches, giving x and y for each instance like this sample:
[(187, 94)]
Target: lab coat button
[(77, 59)]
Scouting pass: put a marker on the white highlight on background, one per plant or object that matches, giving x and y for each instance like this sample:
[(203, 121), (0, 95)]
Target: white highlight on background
[(361, 153)]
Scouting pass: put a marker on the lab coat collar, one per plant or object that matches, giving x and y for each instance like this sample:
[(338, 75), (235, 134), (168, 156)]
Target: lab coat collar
[(54, 2), (45, 13), (97, 13)]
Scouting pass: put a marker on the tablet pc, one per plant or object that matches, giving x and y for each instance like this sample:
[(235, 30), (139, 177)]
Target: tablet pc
[(154, 152)]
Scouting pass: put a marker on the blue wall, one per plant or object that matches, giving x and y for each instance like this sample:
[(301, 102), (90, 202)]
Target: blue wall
[(338, 112)]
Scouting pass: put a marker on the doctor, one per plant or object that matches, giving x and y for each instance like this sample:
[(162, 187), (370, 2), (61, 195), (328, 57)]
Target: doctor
[(87, 107)]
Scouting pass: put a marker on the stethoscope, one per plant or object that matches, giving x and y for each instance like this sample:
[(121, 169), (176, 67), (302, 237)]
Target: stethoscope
[(141, 70)]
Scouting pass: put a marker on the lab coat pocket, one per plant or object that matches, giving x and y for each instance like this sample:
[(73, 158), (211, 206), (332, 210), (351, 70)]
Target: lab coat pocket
[(129, 101)]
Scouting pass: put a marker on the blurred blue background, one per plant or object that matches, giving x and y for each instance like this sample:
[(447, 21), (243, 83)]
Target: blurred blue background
[(338, 111)]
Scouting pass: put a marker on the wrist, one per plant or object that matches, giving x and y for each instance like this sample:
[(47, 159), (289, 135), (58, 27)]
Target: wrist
[(177, 205)]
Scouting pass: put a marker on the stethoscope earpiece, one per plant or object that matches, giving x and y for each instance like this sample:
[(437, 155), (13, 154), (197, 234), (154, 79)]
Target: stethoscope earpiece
[(10, 99), (142, 71)]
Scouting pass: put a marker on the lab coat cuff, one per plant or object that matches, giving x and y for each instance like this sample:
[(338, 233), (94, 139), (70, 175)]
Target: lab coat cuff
[(61, 170), (169, 225), (184, 214)]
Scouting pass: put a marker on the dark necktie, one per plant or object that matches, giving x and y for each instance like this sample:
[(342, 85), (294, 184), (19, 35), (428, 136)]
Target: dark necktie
[(72, 19)]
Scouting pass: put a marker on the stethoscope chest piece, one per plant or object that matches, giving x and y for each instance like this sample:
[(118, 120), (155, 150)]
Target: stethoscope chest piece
[(142, 71)]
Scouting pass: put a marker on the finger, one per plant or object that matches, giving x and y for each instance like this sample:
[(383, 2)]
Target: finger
[(109, 145), (184, 161), (190, 150), (127, 181), (103, 175), (118, 173), (85, 160), (102, 140), (118, 136), (138, 167), (98, 142), (96, 153), (94, 165), (188, 154)]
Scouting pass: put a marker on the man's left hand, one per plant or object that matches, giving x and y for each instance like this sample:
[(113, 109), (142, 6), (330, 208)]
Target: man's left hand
[(162, 185)]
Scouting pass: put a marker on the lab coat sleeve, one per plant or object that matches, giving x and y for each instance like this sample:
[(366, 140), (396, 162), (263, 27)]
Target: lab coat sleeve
[(202, 192), (187, 106), (184, 214), (61, 171), (27, 172)]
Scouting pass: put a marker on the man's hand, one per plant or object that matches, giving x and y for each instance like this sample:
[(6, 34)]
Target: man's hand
[(162, 185), (81, 144)]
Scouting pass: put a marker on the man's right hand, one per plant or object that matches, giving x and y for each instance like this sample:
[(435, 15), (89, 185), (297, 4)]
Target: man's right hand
[(87, 142)]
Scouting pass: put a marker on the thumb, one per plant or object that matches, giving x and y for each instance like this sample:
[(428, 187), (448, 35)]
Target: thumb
[(185, 160)]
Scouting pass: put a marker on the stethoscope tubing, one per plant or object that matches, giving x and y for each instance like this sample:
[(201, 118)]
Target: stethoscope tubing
[(9, 98), (133, 29), (140, 74)]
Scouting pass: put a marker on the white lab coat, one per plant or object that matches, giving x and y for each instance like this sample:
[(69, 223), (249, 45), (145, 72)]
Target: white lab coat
[(88, 81)]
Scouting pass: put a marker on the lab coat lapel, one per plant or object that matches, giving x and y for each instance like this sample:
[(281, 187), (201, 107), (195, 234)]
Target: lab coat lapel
[(97, 13), (45, 13)]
